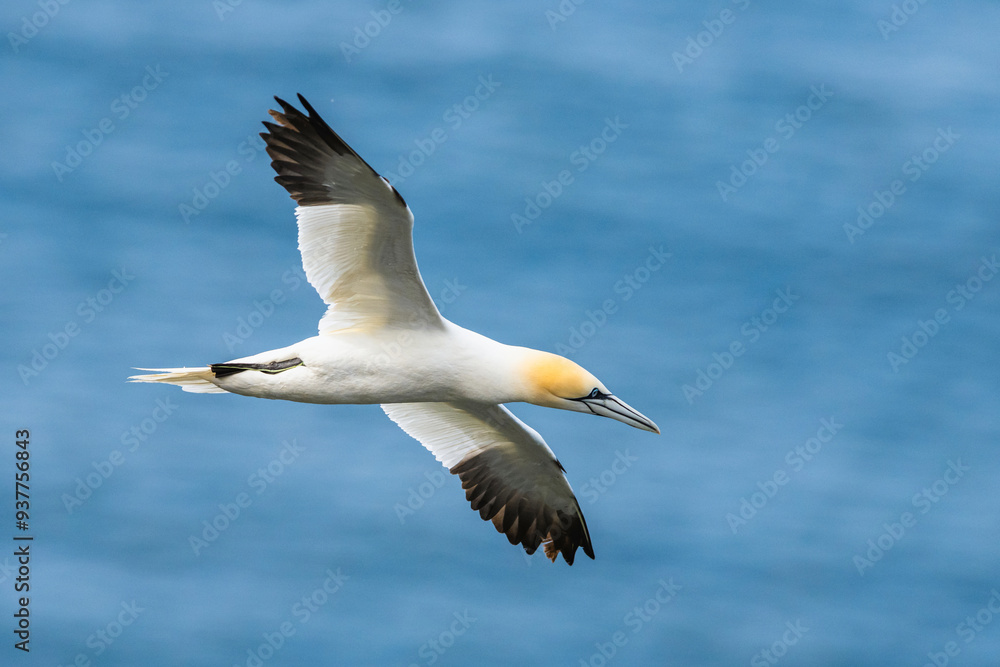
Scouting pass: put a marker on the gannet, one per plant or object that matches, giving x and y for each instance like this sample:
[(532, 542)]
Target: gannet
[(382, 340)]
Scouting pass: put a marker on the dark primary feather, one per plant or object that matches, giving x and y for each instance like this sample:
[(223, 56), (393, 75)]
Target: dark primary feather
[(524, 518), (311, 160)]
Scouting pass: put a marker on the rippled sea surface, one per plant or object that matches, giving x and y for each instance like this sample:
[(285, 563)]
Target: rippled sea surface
[(771, 227)]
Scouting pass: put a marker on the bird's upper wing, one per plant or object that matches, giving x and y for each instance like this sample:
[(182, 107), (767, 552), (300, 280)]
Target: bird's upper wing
[(355, 230), (508, 472)]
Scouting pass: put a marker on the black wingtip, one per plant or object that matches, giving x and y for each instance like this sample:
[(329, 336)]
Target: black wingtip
[(306, 105), (293, 142), (524, 520)]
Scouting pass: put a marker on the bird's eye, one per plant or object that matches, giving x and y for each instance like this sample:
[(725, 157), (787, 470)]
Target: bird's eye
[(595, 394)]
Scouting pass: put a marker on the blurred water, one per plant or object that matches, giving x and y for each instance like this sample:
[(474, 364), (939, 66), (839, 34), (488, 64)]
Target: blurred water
[(841, 558)]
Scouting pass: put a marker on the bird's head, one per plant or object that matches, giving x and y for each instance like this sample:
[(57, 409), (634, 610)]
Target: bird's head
[(557, 382)]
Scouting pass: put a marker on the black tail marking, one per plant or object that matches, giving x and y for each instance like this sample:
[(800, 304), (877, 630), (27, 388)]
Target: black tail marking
[(223, 370)]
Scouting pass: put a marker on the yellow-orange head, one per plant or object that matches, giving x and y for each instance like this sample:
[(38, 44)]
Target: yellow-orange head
[(557, 382)]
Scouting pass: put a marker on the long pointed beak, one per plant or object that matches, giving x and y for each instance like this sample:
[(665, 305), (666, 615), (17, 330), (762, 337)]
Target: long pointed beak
[(615, 408)]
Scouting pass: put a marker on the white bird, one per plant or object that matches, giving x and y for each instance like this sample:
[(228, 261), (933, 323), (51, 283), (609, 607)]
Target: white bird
[(442, 384)]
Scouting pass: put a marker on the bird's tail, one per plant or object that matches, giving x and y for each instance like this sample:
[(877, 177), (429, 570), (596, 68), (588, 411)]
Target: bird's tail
[(197, 380)]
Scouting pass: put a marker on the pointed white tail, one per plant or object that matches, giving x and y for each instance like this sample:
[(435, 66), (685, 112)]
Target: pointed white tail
[(197, 380)]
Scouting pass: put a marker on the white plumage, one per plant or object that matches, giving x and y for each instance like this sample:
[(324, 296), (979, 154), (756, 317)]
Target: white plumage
[(383, 341)]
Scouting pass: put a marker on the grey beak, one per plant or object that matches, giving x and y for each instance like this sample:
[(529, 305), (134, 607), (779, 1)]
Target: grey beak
[(615, 408)]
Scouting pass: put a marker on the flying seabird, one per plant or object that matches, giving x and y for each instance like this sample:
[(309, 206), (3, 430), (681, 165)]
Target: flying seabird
[(442, 384)]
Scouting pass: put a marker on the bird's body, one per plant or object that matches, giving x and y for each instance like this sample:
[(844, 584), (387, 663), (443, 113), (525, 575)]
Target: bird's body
[(383, 341), (447, 363)]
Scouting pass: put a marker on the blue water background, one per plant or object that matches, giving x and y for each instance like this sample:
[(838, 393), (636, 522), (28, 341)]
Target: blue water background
[(668, 515)]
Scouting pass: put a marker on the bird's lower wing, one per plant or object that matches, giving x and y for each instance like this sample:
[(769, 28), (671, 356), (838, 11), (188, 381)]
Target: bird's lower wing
[(508, 472)]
